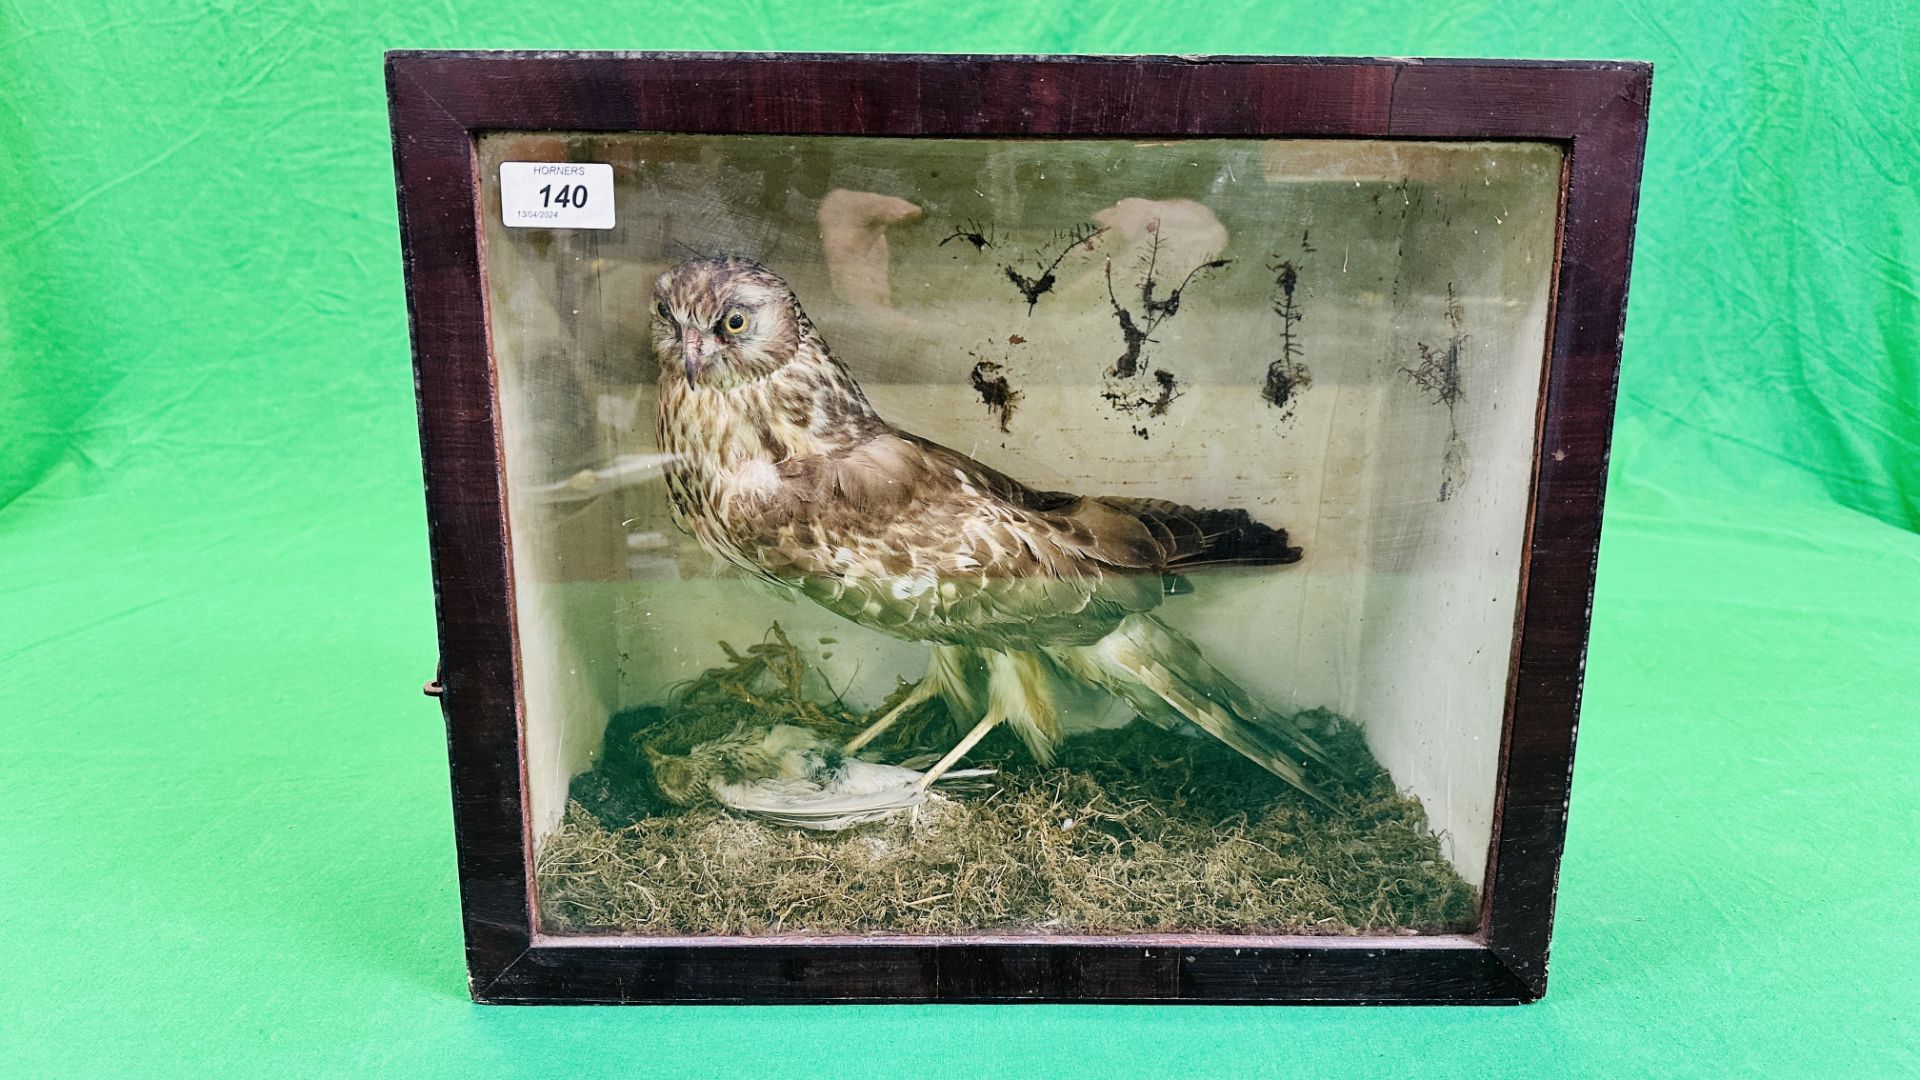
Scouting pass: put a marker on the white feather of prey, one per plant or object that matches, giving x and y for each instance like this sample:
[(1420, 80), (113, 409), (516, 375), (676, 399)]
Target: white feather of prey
[(627, 470), (811, 785)]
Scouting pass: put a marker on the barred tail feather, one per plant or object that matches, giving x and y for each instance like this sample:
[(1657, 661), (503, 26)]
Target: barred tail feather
[(1156, 669)]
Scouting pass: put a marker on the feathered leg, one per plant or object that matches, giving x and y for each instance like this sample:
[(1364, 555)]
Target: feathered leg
[(1018, 692), (946, 678), (1155, 669), (1021, 682)]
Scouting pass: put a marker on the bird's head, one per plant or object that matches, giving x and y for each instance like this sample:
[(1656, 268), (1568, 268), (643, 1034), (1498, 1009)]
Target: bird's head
[(679, 780), (721, 321)]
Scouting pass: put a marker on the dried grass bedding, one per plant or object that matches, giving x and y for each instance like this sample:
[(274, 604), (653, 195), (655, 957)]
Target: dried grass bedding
[(1136, 829)]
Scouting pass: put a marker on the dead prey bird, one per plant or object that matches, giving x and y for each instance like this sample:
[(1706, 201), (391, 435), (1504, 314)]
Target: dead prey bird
[(781, 467), (791, 776)]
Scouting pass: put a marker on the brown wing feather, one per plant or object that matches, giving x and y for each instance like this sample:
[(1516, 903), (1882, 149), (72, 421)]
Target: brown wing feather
[(1194, 537), (882, 476), (1183, 537), (910, 536), (1186, 536)]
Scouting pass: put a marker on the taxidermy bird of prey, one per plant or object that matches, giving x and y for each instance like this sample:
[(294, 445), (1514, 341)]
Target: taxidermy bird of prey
[(780, 466)]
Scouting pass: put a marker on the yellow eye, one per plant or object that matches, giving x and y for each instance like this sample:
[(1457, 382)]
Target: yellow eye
[(735, 322)]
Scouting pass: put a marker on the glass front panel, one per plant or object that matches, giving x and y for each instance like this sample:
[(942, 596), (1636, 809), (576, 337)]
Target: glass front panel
[(1044, 536)]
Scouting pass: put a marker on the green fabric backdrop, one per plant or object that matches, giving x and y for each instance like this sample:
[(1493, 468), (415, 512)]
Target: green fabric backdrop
[(224, 842)]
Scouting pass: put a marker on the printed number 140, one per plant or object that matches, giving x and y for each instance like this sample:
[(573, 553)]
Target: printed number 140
[(566, 195)]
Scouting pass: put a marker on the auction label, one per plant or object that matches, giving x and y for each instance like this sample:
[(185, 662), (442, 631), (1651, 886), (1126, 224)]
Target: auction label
[(556, 195)]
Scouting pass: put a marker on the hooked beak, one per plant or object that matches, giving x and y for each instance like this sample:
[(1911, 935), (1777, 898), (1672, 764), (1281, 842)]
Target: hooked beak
[(691, 348)]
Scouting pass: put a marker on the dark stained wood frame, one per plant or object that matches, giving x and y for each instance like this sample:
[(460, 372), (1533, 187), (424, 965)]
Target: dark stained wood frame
[(442, 100)]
